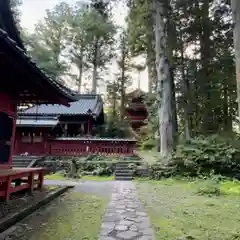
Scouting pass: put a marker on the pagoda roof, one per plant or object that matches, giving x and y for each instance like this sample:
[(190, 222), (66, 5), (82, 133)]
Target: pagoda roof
[(136, 93), (86, 104), (35, 85)]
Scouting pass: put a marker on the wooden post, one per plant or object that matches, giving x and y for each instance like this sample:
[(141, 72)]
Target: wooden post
[(65, 129), (89, 131), (31, 182), (40, 179), (8, 188)]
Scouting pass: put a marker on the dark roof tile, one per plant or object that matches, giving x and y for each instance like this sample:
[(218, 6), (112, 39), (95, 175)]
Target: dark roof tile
[(70, 95), (87, 104)]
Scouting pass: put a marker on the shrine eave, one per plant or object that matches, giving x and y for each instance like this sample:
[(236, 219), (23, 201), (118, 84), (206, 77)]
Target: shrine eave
[(64, 93)]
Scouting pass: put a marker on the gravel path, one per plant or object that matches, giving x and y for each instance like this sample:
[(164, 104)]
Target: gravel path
[(91, 187), (125, 218)]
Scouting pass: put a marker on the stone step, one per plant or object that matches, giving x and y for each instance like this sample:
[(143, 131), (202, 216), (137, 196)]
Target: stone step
[(123, 175), (24, 161), (123, 170), (20, 165), (123, 178), (119, 168)]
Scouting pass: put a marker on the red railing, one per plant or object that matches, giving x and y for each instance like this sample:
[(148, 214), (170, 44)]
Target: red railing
[(81, 147)]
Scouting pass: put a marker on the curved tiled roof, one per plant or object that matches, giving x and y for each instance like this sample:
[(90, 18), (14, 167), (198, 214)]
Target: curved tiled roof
[(62, 89), (86, 104), (9, 35)]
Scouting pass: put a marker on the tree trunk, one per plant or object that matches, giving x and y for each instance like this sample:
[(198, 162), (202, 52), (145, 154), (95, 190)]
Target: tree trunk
[(114, 100), (206, 86), (236, 35), (171, 42), (186, 92), (151, 68), (122, 84), (80, 69), (164, 84), (95, 67)]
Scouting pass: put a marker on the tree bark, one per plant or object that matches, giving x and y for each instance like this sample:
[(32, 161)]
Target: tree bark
[(171, 42), (186, 91), (95, 67), (206, 86), (122, 84), (80, 69), (236, 34), (164, 84)]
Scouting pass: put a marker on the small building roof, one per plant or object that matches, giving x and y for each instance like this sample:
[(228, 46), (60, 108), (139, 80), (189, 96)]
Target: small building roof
[(86, 104), (37, 122)]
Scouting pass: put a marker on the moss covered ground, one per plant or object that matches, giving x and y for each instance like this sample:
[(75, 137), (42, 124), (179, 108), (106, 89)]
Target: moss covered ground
[(75, 216), (59, 176), (196, 210)]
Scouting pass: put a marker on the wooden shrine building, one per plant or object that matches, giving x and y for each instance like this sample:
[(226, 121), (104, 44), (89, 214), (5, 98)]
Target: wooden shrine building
[(21, 82), (56, 130), (136, 111)]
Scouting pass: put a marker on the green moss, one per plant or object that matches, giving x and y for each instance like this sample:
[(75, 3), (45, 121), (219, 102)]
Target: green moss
[(55, 176), (58, 176), (230, 187), (178, 212), (78, 216)]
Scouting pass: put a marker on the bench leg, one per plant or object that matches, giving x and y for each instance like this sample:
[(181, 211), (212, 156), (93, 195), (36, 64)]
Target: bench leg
[(8, 188), (40, 180), (31, 182)]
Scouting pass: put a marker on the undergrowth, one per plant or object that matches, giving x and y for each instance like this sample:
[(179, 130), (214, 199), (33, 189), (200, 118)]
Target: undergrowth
[(201, 157)]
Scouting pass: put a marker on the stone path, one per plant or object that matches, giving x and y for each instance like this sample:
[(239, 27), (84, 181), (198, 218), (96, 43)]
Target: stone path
[(92, 187), (125, 218)]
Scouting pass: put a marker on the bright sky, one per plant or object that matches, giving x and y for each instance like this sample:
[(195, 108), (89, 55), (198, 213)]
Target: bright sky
[(33, 11)]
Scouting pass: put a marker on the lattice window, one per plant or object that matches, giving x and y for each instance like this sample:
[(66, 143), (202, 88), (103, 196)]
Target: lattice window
[(26, 139), (37, 139)]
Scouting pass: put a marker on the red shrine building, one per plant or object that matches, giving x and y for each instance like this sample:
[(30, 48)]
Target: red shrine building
[(57, 130), (21, 82), (136, 111)]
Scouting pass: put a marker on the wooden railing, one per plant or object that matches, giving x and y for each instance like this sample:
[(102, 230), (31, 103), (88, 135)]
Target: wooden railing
[(83, 147)]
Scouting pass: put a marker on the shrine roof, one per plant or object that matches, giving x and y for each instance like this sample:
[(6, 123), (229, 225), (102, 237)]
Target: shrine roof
[(70, 95), (12, 46), (37, 122), (86, 104)]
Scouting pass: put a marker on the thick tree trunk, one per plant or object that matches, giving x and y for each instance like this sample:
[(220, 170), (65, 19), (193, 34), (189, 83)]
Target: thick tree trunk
[(171, 31), (206, 86), (151, 68), (186, 92), (164, 84), (236, 35)]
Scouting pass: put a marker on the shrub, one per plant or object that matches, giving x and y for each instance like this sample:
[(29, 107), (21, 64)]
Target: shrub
[(205, 156), (208, 187), (148, 144)]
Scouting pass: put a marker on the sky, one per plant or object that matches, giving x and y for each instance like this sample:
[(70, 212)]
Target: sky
[(33, 11)]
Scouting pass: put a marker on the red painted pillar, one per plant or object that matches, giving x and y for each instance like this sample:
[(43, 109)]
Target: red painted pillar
[(12, 141)]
